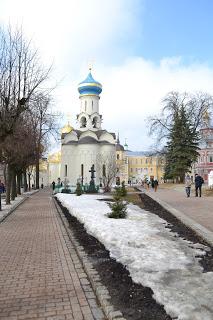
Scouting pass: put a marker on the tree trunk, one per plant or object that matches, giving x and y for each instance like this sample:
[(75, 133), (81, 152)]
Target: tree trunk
[(5, 174), (29, 182), (37, 174), (8, 184), (25, 180), (13, 185), (18, 189)]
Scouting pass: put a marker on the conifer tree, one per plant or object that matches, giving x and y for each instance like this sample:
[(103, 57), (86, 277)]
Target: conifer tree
[(182, 146), (78, 190)]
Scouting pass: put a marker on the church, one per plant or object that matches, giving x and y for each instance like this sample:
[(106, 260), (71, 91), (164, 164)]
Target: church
[(88, 146)]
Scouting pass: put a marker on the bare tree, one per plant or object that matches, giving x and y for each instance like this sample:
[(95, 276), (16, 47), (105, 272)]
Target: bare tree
[(18, 152), (21, 76), (107, 169), (195, 105), (44, 124)]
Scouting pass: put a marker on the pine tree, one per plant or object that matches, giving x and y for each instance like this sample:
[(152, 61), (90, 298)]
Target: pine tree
[(182, 146), (78, 190), (118, 207), (123, 189)]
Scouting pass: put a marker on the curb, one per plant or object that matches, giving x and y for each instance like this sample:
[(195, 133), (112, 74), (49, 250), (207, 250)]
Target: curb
[(16, 206), (199, 229), (101, 292)]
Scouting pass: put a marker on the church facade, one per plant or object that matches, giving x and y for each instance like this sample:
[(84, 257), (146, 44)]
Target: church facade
[(88, 145)]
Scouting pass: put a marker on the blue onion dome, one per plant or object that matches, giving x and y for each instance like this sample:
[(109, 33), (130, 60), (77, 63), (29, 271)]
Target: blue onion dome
[(89, 86)]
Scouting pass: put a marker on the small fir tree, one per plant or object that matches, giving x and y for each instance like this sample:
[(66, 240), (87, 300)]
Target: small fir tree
[(78, 190), (123, 190), (118, 207)]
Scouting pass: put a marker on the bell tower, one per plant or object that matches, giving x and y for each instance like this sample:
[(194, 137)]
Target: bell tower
[(89, 117)]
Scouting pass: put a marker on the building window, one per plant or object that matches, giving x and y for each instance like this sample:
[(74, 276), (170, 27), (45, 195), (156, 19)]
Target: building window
[(211, 159), (83, 122), (82, 170), (65, 170), (131, 170), (85, 106), (141, 161), (117, 156), (146, 160), (104, 170), (92, 104)]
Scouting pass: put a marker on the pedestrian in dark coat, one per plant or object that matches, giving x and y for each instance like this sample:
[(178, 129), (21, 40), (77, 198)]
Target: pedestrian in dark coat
[(155, 184), (198, 185), (53, 185)]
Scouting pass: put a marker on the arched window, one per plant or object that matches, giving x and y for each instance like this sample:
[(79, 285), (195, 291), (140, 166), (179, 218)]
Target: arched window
[(94, 122), (104, 170), (82, 174), (117, 156), (83, 122)]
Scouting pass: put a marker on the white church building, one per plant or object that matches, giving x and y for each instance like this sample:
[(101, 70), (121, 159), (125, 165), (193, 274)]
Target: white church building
[(88, 145)]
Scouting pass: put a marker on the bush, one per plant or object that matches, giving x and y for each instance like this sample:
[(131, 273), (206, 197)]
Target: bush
[(119, 207), (78, 190), (65, 191)]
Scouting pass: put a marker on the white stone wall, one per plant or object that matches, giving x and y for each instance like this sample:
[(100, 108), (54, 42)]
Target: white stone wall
[(87, 154), (89, 104)]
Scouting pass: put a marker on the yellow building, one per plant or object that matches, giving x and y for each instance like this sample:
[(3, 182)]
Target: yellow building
[(54, 166), (141, 166), (137, 166), (122, 163)]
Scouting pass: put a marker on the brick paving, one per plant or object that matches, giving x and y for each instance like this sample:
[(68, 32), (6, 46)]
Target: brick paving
[(198, 209), (41, 274)]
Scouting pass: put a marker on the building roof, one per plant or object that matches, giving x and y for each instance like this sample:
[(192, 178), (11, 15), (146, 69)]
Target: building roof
[(119, 147), (137, 153), (89, 86)]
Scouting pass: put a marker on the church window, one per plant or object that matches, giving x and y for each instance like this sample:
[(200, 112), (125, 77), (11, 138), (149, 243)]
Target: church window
[(94, 122), (83, 122), (117, 156), (104, 170), (65, 170)]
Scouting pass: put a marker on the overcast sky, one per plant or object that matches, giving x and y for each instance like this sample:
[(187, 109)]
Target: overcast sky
[(140, 50)]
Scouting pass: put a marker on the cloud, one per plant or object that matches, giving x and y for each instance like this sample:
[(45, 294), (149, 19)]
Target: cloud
[(72, 32)]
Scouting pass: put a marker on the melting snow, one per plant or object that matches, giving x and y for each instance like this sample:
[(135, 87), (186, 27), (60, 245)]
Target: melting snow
[(152, 254)]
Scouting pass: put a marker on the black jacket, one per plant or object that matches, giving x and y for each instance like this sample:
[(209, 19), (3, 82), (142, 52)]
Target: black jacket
[(198, 181)]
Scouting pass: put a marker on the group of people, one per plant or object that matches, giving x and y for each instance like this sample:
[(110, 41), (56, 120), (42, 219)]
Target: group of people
[(153, 183), (198, 185)]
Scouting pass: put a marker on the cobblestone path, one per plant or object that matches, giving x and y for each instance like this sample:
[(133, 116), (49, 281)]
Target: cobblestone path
[(41, 276)]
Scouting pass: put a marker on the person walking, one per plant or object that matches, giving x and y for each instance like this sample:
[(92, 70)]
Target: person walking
[(198, 184), (188, 183), (53, 185), (155, 184)]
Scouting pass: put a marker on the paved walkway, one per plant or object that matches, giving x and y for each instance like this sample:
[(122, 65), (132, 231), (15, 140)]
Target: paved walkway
[(199, 210), (41, 275)]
